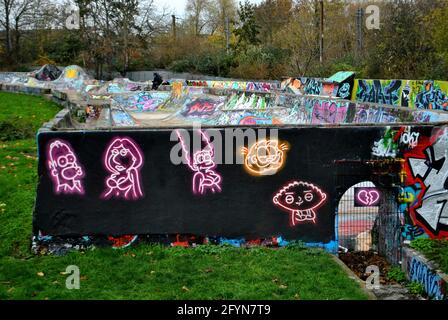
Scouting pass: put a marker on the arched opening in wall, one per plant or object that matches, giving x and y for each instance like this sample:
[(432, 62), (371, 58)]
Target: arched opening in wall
[(357, 212)]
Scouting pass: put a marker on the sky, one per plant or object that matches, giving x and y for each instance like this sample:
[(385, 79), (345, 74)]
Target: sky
[(178, 6)]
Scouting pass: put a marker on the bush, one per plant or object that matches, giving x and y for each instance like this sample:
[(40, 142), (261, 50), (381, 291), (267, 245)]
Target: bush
[(16, 129), (395, 274), (416, 288)]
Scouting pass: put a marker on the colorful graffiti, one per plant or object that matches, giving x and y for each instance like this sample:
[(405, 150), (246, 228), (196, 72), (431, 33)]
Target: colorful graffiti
[(65, 169), (203, 164), (416, 94), (265, 157), (201, 107), (122, 242), (427, 166), (328, 111), (123, 159), (387, 147), (379, 91), (301, 200), (431, 97), (243, 102), (145, 101)]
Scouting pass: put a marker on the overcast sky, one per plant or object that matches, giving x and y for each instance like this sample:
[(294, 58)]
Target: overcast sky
[(178, 6)]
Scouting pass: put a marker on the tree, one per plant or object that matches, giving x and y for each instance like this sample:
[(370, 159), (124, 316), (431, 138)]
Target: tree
[(248, 29), (272, 16), (114, 30), (217, 14), (196, 11), (401, 48), (14, 16)]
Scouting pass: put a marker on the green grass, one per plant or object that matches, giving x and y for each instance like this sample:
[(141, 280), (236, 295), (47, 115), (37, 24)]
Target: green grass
[(21, 115), (144, 271), (433, 249)]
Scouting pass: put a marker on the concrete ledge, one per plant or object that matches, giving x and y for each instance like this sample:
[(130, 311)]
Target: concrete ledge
[(419, 269), (353, 276), (25, 89)]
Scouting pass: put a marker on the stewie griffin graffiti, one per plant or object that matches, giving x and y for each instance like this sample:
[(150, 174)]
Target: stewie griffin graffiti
[(65, 170), (203, 164), (301, 200)]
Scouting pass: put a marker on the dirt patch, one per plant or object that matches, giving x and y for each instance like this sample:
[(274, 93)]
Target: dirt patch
[(359, 261)]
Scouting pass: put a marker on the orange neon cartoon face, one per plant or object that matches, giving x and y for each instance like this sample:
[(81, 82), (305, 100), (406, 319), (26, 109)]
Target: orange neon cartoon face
[(264, 158)]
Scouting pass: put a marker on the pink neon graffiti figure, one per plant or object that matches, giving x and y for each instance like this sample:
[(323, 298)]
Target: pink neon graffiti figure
[(203, 164), (123, 159), (65, 170), (301, 200)]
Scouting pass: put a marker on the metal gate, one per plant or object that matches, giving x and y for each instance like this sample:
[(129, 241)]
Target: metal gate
[(368, 218)]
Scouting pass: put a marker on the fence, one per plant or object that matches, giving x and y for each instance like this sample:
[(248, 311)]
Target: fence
[(369, 219)]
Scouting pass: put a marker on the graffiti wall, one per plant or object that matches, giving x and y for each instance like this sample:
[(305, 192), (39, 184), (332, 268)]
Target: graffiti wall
[(417, 94), (339, 85), (419, 269), (234, 85), (122, 183)]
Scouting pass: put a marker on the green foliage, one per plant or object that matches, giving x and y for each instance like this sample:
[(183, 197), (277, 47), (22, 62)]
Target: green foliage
[(66, 49), (422, 244), (210, 63), (397, 275), (416, 288), (433, 249), (248, 30)]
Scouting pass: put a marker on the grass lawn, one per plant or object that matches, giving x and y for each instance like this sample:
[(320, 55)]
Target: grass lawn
[(144, 271), (435, 250)]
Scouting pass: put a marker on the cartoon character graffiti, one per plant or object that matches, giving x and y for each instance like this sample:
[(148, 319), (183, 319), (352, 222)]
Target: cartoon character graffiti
[(301, 200), (205, 177), (124, 160), (64, 168), (265, 157)]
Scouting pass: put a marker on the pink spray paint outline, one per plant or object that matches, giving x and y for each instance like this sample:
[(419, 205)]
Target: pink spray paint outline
[(132, 179), (203, 165), (63, 184)]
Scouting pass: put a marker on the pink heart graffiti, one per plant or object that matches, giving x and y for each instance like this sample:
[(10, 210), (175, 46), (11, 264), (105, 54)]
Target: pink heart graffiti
[(368, 198)]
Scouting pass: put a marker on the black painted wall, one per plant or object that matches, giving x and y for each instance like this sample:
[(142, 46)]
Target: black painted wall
[(243, 208)]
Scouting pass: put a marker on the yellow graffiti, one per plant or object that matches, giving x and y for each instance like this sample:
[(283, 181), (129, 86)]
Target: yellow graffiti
[(177, 89), (265, 157), (71, 73)]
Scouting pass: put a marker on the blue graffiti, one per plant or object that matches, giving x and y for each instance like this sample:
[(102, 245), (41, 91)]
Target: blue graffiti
[(313, 86), (344, 91), (233, 242), (432, 282), (376, 93), (412, 232), (431, 98)]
